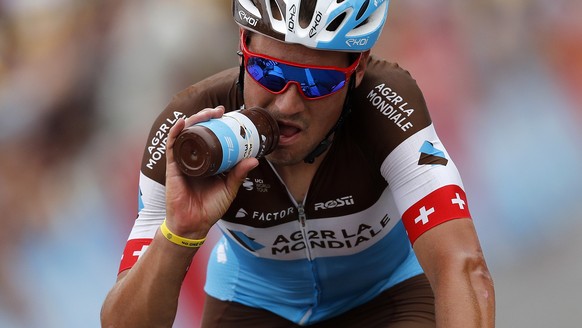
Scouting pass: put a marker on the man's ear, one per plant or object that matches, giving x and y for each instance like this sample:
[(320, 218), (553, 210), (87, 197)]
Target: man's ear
[(361, 69)]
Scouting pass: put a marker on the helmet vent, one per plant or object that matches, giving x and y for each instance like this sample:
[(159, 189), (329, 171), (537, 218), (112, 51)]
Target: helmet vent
[(336, 22), (363, 9), (276, 10), (362, 23), (306, 12)]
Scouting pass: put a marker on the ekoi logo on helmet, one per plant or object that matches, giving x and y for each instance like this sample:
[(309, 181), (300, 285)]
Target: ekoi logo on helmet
[(352, 43), (291, 20), (316, 21), (250, 20)]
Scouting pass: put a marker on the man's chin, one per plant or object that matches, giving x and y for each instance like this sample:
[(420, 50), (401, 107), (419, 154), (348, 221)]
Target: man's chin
[(284, 157)]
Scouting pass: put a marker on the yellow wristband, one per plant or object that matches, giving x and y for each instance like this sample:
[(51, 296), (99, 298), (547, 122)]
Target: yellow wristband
[(186, 242)]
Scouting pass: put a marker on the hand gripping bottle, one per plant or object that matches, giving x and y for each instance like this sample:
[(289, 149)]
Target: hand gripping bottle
[(214, 146)]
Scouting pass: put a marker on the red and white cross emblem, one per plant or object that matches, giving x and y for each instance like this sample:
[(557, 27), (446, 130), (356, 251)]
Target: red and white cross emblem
[(141, 251), (441, 205), (133, 250), (424, 213), (459, 201)]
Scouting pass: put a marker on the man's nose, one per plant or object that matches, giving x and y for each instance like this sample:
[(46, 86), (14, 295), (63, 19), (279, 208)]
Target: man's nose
[(290, 101)]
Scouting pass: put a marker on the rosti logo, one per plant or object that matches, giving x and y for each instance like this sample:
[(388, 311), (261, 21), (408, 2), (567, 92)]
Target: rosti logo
[(246, 18), (338, 202)]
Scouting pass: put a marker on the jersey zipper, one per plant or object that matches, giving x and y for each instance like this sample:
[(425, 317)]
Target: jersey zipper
[(316, 286), (304, 231), (300, 211)]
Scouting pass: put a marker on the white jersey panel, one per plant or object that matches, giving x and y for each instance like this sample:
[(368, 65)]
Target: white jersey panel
[(323, 237), (153, 211), (409, 178)]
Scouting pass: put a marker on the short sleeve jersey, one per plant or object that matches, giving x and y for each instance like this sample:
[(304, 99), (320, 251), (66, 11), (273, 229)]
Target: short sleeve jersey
[(385, 180)]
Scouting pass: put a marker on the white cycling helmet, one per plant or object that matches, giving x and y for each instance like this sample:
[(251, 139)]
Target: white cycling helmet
[(338, 25)]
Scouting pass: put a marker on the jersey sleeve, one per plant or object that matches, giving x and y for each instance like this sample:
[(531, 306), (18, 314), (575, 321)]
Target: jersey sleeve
[(401, 139), (152, 211), (425, 183), (219, 89)]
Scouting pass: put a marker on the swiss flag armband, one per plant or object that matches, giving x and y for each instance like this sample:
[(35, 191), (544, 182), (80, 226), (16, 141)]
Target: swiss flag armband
[(444, 204), (133, 250)]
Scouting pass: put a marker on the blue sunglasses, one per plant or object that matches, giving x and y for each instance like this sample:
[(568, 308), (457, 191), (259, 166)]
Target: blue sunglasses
[(276, 75)]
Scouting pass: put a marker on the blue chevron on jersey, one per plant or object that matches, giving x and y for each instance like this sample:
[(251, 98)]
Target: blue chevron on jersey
[(245, 240), (431, 155)]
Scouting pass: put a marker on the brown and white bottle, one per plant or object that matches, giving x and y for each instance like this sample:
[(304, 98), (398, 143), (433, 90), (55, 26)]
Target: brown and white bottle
[(215, 146)]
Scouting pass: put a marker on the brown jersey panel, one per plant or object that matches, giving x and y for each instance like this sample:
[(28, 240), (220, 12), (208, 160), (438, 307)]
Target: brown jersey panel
[(219, 89), (262, 200), (387, 108), (347, 181)]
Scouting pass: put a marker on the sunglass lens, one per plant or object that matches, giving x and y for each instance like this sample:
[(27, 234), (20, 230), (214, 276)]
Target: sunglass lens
[(267, 73), (314, 82), (320, 82)]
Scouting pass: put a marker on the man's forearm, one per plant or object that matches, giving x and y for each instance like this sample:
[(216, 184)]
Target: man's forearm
[(147, 294), (466, 300), (451, 257)]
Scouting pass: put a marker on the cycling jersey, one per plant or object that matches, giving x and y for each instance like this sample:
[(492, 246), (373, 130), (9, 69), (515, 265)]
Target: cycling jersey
[(385, 180)]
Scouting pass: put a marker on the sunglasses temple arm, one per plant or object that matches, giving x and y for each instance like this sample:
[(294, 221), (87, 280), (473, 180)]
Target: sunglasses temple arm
[(241, 73)]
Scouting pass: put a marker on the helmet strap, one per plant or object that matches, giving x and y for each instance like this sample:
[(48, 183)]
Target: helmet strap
[(326, 142)]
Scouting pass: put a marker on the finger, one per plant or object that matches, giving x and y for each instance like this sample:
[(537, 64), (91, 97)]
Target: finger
[(172, 136), (238, 174), (205, 115)]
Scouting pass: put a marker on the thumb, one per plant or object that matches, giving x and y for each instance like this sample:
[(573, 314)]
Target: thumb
[(238, 174), (172, 136)]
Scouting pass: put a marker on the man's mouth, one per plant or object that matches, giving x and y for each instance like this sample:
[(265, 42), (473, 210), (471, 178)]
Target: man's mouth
[(287, 132)]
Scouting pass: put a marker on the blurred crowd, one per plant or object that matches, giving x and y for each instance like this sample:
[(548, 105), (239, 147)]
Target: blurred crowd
[(81, 82)]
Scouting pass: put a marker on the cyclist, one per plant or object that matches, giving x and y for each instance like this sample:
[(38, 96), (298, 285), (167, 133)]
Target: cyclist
[(357, 219)]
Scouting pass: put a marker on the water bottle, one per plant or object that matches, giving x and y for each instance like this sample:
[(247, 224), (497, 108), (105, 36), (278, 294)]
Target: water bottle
[(214, 146)]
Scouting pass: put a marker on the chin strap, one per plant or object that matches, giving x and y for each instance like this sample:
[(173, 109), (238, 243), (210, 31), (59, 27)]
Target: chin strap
[(326, 142)]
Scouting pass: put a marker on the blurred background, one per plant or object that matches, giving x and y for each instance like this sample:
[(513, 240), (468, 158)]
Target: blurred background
[(81, 82)]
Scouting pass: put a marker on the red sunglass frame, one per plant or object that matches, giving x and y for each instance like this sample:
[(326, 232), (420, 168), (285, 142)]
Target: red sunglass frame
[(347, 71)]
